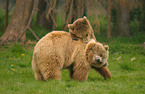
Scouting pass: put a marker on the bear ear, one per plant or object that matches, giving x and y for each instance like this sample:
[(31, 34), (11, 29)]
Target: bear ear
[(85, 19), (70, 26), (106, 47)]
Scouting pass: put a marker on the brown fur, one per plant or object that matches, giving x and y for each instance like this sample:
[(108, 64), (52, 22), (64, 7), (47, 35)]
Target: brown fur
[(104, 71), (81, 29), (57, 51), (94, 49)]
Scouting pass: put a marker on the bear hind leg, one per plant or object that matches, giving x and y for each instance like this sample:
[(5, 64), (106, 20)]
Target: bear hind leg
[(38, 75)]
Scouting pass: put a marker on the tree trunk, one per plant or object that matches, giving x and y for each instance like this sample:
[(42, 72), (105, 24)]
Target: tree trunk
[(41, 14), (109, 20), (51, 14), (74, 10), (18, 21), (143, 21), (122, 27), (6, 13)]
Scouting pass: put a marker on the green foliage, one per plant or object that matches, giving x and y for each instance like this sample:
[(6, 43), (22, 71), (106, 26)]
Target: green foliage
[(126, 63), (16, 48), (41, 31), (2, 17)]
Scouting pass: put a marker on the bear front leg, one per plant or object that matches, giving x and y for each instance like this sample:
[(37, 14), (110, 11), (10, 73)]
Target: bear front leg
[(52, 74), (50, 69), (104, 71), (80, 73)]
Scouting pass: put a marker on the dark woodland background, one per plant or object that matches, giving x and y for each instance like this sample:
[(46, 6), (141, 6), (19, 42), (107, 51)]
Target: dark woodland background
[(109, 18)]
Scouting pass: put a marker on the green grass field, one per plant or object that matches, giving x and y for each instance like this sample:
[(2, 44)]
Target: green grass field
[(126, 63)]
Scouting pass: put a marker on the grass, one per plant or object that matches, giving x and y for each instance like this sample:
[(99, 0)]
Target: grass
[(16, 75)]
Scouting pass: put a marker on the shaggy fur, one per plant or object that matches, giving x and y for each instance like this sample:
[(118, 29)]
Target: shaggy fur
[(57, 51), (104, 71), (81, 29), (97, 56)]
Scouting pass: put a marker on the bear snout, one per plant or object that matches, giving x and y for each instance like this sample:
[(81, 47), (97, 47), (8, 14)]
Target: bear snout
[(98, 59)]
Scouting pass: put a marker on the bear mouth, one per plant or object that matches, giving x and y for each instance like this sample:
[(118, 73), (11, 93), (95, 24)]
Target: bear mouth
[(98, 65)]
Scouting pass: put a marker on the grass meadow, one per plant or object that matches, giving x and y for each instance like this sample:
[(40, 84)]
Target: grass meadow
[(126, 63)]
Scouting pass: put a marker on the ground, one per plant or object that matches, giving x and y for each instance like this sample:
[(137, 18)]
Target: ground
[(126, 64)]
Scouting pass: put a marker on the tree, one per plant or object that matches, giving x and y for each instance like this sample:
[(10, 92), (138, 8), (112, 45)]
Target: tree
[(74, 9), (143, 21), (41, 14), (19, 19), (122, 27), (51, 14), (6, 14), (109, 20)]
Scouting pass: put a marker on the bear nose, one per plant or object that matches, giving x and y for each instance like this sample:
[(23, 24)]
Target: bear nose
[(98, 60)]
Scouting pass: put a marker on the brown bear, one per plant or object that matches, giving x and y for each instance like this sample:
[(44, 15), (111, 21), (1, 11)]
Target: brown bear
[(57, 50), (97, 56), (81, 29), (96, 51)]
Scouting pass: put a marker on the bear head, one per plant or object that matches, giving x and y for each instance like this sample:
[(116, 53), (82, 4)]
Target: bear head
[(97, 54), (81, 29)]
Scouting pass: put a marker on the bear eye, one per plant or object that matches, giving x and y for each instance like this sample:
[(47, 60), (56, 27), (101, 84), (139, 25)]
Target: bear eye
[(101, 55), (86, 35)]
